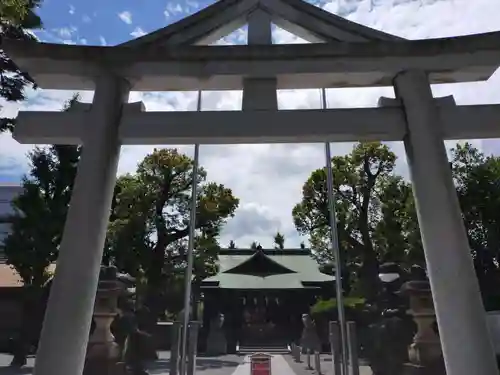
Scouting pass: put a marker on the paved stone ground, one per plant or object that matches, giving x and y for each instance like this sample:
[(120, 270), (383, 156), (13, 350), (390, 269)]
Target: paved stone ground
[(6, 370), (300, 368), (205, 365), (221, 365)]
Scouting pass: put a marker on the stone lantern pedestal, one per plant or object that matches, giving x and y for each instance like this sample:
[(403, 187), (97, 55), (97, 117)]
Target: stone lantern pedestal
[(103, 353), (425, 354)]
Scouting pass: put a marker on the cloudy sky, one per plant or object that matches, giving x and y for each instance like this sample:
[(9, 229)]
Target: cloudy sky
[(266, 178)]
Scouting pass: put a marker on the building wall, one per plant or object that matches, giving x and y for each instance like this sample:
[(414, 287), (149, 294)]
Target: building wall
[(10, 291), (7, 193)]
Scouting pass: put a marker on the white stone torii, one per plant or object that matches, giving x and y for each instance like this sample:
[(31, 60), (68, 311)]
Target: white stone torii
[(175, 59)]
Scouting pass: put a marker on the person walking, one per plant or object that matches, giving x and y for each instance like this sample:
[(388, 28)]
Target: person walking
[(131, 338)]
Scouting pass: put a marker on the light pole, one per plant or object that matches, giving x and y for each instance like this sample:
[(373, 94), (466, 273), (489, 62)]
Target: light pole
[(189, 270), (336, 250)]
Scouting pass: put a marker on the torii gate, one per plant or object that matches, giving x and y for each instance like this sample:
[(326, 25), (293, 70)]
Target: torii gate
[(343, 55)]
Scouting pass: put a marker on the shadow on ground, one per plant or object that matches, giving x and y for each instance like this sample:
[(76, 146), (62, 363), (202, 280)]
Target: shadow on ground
[(202, 364), (16, 371), (212, 364)]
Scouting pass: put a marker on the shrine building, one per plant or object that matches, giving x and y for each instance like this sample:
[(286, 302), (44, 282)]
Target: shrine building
[(263, 294)]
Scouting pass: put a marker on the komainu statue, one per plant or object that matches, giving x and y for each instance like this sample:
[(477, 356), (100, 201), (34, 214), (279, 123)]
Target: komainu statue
[(309, 340)]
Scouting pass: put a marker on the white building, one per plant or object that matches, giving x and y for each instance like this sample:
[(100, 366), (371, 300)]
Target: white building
[(7, 193)]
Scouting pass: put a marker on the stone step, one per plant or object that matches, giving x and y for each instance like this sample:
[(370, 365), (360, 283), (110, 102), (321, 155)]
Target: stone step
[(270, 349)]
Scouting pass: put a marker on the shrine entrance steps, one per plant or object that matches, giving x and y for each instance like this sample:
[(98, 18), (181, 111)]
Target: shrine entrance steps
[(269, 348)]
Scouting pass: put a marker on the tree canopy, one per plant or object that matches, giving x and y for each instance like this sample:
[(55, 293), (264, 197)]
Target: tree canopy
[(149, 222), (279, 240), (255, 245), (40, 211), (477, 179), (17, 18), (377, 221), (374, 219)]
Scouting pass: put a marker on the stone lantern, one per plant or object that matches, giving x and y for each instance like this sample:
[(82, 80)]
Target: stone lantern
[(103, 353), (425, 352)]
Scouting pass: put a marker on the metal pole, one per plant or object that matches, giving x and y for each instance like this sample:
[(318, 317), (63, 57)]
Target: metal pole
[(336, 250), (189, 270)]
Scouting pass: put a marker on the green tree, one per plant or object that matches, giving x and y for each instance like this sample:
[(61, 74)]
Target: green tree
[(149, 222), (279, 241), (232, 245), (366, 193), (255, 245), (17, 17), (36, 231), (396, 234), (40, 211), (477, 180)]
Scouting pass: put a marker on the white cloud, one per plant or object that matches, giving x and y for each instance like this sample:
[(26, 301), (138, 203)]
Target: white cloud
[(192, 4), (86, 19), (281, 36), (268, 178), (102, 40), (65, 32), (126, 17), (71, 9), (138, 32), (173, 9), (239, 36)]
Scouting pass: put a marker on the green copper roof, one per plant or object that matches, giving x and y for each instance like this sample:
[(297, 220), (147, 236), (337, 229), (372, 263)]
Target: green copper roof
[(285, 269)]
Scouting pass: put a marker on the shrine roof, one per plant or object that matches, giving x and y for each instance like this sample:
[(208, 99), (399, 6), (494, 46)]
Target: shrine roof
[(284, 269)]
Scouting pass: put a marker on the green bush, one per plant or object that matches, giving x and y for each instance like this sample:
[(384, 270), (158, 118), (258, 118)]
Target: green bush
[(328, 308)]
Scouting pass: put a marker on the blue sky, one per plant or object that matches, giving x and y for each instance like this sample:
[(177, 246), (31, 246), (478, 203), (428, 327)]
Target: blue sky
[(268, 178), (88, 22)]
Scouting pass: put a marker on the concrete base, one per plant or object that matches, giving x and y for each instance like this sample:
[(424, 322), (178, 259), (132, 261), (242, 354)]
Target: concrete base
[(149, 348), (216, 343), (432, 369), (103, 359), (104, 367)]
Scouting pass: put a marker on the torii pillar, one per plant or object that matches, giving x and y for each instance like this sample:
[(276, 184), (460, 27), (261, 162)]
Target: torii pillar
[(465, 339), (66, 326)]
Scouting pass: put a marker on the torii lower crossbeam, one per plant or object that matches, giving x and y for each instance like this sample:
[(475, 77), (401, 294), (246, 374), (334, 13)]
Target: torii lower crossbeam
[(270, 126)]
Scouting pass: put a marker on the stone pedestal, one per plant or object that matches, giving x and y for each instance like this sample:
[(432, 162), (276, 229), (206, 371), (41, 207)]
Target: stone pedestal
[(335, 346), (309, 341), (103, 353), (425, 352), (175, 348), (194, 328)]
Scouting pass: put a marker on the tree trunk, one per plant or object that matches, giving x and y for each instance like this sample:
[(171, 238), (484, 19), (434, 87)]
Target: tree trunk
[(154, 287), (369, 270)]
